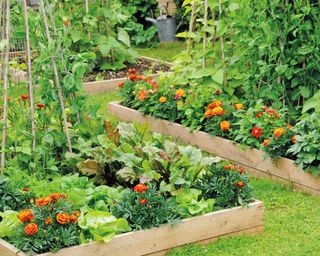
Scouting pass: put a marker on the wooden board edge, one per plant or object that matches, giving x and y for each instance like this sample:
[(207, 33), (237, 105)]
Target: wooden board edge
[(7, 249)]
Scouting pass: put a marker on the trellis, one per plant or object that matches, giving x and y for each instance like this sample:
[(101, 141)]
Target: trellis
[(18, 46)]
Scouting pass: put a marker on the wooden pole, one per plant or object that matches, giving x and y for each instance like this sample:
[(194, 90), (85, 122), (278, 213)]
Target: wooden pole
[(87, 6), (223, 59), (6, 83), (205, 23), (193, 12), (2, 36), (51, 17), (28, 51), (56, 77)]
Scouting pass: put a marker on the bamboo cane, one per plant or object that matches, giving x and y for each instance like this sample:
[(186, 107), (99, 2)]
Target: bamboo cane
[(56, 77), (224, 67), (191, 23), (1, 38), (28, 50), (205, 23), (6, 83), (87, 6)]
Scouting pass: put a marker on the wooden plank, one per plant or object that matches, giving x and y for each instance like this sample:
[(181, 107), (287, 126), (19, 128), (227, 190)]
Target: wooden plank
[(209, 226), (282, 169), (156, 241), (7, 249)]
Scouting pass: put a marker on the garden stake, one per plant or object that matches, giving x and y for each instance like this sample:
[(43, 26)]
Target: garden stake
[(193, 11), (222, 50), (56, 76), (6, 82), (205, 24), (33, 126)]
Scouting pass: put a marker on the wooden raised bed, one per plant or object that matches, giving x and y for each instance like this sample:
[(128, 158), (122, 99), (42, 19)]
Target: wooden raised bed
[(156, 241), (253, 160), (99, 87)]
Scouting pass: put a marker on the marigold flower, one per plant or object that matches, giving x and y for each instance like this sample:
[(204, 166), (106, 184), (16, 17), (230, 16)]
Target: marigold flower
[(215, 104), (143, 201), (57, 196), (179, 102), (73, 218), (132, 71), (40, 105), (141, 78), (225, 126), (266, 142), (256, 132), (63, 218), (179, 94), (278, 132), (31, 229), (120, 84), (26, 216), (163, 99), (142, 95), (140, 188), (77, 214), (26, 189), (24, 96), (294, 139), (239, 106), (208, 113), (48, 221), (229, 167), (240, 184), (132, 77), (289, 126), (43, 201), (218, 111)]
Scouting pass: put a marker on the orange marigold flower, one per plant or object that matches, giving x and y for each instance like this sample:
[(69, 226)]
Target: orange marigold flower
[(294, 139), (63, 218), (31, 229), (132, 77), (141, 78), (73, 218), (239, 106), (142, 94), (48, 221), (240, 184), (179, 94), (218, 111), (77, 214), (229, 167), (278, 132), (120, 84), (215, 104), (256, 132), (24, 96), (163, 99), (57, 196), (225, 126), (266, 142), (143, 201), (140, 188), (26, 216), (43, 201), (132, 71), (208, 113)]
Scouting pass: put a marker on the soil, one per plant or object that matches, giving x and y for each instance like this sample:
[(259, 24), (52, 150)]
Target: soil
[(142, 66)]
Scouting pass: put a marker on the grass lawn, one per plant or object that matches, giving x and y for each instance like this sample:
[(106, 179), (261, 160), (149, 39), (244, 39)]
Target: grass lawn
[(292, 219)]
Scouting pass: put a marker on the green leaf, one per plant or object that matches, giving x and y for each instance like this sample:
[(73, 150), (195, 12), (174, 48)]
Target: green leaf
[(123, 37), (9, 224), (281, 69), (218, 77), (193, 154), (105, 49), (3, 44)]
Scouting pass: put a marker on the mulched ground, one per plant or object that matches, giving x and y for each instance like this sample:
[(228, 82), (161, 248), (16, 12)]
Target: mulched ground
[(142, 66)]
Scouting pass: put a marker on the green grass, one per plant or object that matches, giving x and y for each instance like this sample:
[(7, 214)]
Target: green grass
[(292, 219), (163, 51)]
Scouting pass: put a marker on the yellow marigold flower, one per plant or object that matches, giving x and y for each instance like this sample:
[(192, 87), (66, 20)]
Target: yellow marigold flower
[(163, 99), (218, 111), (180, 93), (278, 132), (225, 126), (239, 106), (215, 104), (179, 102)]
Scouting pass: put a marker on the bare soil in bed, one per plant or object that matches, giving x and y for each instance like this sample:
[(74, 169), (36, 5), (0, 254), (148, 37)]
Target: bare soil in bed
[(142, 66)]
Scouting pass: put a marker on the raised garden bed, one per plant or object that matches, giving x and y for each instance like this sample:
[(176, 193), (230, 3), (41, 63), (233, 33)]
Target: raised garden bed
[(112, 79), (156, 241), (252, 159)]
